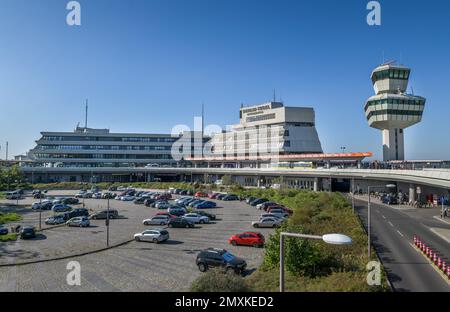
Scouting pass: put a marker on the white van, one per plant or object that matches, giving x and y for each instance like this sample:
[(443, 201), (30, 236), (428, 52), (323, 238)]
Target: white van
[(13, 195)]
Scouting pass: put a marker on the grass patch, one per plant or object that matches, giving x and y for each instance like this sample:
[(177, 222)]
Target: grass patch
[(8, 237), (9, 217)]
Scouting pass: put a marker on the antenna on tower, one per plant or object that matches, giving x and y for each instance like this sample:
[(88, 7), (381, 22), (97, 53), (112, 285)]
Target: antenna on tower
[(274, 96), (86, 115), (203, 116)]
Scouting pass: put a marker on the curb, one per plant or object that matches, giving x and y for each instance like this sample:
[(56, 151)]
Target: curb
[(440, 219), (68, 256)]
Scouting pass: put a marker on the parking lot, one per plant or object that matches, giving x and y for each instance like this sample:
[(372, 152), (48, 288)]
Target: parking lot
[(139, 266)]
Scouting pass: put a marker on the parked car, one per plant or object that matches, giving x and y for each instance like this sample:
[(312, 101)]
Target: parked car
[(162, 205), (78, 212), (148, 202), (285, 209), (78, 221), (250, 199), (200, 194), (254, 239), (265, 205), (113, 214), (180, 222), (108, 195), (13, 195), (220, 258), (58, 219), (27, 232), (206, 214), (195, 202), (196, 218), (258, 201), (157, 220), (221, 196), (3, 230), (61, 208), (177, 211), (230, 197), (156, 236), (213, 195), (70, 201), (279, 213), (80, 194), (205, 205), (270, 215), (97, 195), (267, 222), (165, 214), (127, 198), (139, 200)]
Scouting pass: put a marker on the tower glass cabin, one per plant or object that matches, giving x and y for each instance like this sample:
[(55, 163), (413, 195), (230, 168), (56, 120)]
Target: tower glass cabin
[(392, 110)]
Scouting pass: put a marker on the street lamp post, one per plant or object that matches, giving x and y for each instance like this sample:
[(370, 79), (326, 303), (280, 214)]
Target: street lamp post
[(353, 195), (40, 210), (334, 239), (107, 225)]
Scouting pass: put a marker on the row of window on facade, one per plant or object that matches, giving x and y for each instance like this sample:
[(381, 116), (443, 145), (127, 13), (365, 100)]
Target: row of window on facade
[(394, 112), (391, 74), (102, 156), (104, 147), (110, 139)]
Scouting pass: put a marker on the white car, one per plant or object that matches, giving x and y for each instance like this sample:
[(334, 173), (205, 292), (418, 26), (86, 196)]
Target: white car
[(271, 215), (196, 218), (127, 198), (157, 220), (97, 195), (267, 222), (279, 212), (154, 165), (156, 236), (36, 206)]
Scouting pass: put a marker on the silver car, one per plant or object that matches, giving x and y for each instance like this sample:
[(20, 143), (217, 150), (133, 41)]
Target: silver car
[(156, 236), (267, 222), (78, 221), (196, 218), (157, 220)]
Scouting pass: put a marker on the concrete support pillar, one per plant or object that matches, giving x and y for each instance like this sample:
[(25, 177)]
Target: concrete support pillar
[(359, 164), (412, 192), (316, 185), (258, 181), (327, 165)]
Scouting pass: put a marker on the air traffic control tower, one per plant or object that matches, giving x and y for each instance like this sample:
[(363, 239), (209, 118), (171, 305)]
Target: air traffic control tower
[(391, 110)]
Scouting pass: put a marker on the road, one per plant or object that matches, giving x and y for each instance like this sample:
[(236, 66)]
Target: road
[(392, 237)]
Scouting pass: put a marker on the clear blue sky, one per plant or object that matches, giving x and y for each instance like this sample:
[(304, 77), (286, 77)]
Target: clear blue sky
[(147, 65)]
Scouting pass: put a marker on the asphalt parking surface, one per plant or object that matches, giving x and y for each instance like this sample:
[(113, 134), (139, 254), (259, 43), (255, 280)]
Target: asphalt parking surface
[(136, 266)]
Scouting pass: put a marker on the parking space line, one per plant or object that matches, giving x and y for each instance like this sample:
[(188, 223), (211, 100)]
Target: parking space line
[(390, 223), (400, 233), (383, 216)]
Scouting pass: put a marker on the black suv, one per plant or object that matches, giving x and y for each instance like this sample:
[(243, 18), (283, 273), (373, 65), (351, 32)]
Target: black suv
[(27, 232), (180, 223), (113, 214), (78, 212), (220, 258)]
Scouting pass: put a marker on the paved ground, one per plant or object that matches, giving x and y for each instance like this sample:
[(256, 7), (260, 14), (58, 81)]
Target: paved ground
[(134, 266), (392, 236)]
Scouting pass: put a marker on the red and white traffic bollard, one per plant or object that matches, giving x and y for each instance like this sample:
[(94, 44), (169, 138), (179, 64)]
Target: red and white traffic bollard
[(435, 257), (448, 271), (444, 266), (415, 240), (427, 250), (439, 262)]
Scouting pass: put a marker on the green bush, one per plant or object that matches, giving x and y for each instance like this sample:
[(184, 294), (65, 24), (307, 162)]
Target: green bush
[(217, 281), (8, 237), (9, 217)]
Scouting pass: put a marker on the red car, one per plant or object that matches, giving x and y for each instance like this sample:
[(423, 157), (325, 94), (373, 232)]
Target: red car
[(254, 239), (213, 195), (166, 214), (165, 196), (200, 194)]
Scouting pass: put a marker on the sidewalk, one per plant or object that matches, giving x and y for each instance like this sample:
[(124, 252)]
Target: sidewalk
[(378, 201)]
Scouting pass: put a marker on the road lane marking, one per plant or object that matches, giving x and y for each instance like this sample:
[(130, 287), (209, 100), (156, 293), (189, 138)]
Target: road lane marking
[(383, 216), (390, 223), (400, 233)]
